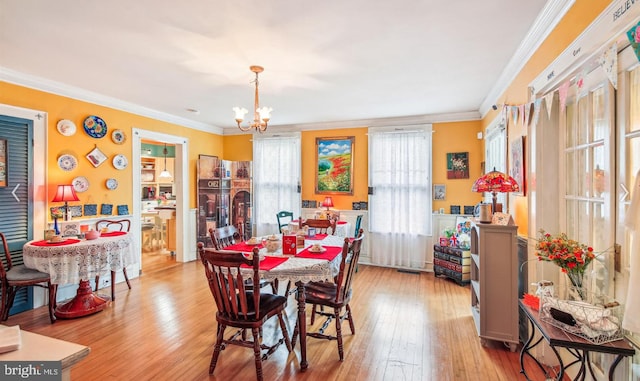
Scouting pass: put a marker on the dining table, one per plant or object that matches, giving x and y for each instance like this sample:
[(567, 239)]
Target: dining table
[(303, 267), (74, 260)]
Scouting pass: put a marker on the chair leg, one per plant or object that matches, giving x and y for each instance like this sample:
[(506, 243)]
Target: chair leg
[(350, 318), (285, 333), (5, 301), (11, 294), (339, 334), (217, 348), (126, 278), (256, 352), (52, 300), (97, 282), (113, 285)]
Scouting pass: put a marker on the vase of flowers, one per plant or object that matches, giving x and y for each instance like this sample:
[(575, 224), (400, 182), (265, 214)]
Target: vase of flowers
[(56, 213), (572, 257)]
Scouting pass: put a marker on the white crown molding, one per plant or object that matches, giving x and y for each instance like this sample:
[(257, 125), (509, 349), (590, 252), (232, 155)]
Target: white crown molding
[(379, 122), (547, 20), (57, 88)]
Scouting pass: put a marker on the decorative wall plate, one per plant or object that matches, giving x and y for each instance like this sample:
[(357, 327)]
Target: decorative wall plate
[(120, 162), (66, 127), (95, 127), (118, 136), (80, 184), (111, 184), (67, 162)]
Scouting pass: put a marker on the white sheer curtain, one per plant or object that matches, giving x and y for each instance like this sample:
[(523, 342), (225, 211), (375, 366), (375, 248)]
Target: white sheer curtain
[(276, 177), (400, 207)]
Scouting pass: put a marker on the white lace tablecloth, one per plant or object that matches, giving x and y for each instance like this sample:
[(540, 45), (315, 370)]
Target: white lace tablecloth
[(305, 269), (68, 264)]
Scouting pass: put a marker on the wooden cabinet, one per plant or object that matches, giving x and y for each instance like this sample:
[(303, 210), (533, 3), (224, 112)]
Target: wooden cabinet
[(494, 282), (452, 262)]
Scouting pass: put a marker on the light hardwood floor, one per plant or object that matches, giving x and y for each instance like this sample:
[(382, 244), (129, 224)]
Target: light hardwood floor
[(408, 327)]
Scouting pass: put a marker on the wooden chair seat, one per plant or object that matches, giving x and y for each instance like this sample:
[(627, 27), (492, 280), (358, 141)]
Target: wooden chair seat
[(322, 226)]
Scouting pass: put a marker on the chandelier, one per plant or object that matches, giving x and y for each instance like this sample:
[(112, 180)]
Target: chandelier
[(261, 116)]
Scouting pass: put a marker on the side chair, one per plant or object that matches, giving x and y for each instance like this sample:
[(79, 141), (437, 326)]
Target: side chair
[(335, 295), (123, 225), (284, 217), (14, 277), (241, 308)]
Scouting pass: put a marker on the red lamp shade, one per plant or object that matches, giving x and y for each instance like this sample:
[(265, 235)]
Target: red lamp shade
[(495, 182), (65, 193), (328, 202)]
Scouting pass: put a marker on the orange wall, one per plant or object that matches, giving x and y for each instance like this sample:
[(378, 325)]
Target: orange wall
[(80, 144), (581, 14), (457, 137), (449, 137)]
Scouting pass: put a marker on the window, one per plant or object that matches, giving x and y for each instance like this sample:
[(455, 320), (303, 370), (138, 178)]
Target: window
[(276, 179), (400, 207)]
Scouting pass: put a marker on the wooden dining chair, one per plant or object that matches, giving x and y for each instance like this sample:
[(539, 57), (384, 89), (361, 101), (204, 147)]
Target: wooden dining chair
[(123, 225), (335, 295), (224, 236), (13, 277), (241, 308), (322, 226), (284, 217)]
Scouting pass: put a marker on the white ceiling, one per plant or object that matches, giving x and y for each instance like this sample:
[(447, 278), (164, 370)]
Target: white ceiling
[(325, 61)]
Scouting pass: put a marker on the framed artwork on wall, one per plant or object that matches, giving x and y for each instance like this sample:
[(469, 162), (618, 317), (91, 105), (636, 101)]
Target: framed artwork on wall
[(334, 165), (517, 164), (439, 192), (458, 165)]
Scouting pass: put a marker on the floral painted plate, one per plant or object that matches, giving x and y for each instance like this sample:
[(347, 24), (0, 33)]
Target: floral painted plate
[(66, 127), (120, 162), (111, 184), (80, 184), (67, 162), (118, 136), (95, 127)]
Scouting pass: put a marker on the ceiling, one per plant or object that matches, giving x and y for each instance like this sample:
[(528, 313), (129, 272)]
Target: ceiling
[(328, 61)]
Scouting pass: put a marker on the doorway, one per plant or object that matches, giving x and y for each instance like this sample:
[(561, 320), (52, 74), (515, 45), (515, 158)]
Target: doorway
[(179, 196)]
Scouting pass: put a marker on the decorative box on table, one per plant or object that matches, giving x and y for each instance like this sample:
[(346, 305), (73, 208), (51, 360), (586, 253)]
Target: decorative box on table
[(289, 244)]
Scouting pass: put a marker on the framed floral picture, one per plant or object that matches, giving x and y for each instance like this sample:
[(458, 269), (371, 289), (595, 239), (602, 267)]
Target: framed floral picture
[(458, 165), (517, 164), (334, 165)]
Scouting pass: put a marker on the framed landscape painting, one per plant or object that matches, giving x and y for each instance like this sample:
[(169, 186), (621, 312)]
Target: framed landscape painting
[(334, 165)]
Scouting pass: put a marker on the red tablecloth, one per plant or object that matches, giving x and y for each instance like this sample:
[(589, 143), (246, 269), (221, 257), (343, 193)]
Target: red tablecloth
[(329, 254), (342, 222), (269, 262), (242, 246), (112, 234), (69, 241)]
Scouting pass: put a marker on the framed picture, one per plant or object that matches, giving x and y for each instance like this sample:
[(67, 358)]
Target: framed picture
[(517, 164), (96, 157), (334, 165), (458, 165), (454, 209), (3, 163), (439, 192)]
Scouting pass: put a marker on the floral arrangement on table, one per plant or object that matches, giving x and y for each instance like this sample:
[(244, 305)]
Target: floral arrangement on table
[(571, 256), (57, 212)]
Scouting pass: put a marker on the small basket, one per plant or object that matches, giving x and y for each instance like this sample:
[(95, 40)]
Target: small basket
[(596, 319)]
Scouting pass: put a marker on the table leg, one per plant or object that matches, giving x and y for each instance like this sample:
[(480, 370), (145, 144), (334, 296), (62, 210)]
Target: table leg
[(84, 303), (302, 326)]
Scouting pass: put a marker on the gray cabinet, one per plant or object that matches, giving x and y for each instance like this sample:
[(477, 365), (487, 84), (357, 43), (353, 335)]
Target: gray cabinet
[(494, 282)]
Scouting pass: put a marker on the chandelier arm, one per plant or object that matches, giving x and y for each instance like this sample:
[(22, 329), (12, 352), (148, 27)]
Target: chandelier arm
[(244, 129)]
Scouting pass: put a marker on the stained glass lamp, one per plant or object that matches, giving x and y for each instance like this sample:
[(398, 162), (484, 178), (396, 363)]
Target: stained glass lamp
[(495, 182)]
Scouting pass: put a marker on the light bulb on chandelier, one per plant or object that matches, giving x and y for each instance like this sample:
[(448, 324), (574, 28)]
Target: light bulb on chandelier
[(261, 116)]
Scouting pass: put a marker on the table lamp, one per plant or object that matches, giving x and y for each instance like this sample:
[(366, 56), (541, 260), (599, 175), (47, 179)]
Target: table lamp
[(495, 182), (65, 193), (327, 203)]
